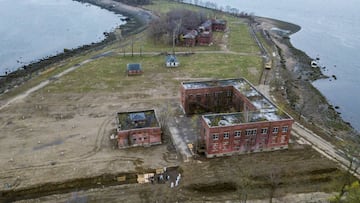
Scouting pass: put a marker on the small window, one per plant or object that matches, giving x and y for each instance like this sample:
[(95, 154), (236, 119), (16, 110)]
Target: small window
[(229, 93), (226, 135), (215, 136), (237, 134), (285, 129), (145, 138), (275, 130), (264, 131), (251, 132)]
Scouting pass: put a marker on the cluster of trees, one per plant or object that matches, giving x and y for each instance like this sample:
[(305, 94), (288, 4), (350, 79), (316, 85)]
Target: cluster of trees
[(168, 27), (135, 2), (215, 6)]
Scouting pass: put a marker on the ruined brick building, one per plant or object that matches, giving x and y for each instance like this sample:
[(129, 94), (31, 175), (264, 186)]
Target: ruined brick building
[(139, 128), (253, 123)]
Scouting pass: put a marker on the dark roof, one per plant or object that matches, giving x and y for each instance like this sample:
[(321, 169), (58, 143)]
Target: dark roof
[(171, 58), (133, 66)]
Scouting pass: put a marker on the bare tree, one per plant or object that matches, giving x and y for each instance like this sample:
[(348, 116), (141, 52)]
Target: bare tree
[(352, 154), (174, 23), (274, 175)]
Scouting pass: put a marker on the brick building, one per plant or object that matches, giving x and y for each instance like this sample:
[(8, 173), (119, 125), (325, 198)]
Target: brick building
[(134, 69), (255, 124), (140, 128), (203, 35), (218, 25), (189, 39)]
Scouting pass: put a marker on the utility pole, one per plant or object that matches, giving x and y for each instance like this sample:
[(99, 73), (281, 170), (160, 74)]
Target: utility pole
[(132, 46), (176, 30)]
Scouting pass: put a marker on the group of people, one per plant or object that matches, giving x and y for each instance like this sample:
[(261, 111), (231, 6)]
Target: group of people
[(165, 177)]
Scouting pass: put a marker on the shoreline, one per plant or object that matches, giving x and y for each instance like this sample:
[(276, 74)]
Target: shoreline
[(309, 105), (136, 21)]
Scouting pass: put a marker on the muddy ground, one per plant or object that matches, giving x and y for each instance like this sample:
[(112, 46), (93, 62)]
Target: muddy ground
[(54, 138)]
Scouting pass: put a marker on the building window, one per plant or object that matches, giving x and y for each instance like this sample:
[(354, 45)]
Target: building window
[(285, 129), (275, 130), (237, 134), (226, 135), (264, 131), (251, 132), (198, 97), (229, 93), (215, 136), (283, 139)]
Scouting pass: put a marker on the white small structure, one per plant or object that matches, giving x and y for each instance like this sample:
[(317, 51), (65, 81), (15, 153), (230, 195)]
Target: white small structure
[(314, 64), (171, 61)]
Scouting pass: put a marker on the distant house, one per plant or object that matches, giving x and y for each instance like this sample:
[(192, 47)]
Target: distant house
[(204, 38), (219, 25), (139, 128), (189, 39), (171, 61), (134, 69)]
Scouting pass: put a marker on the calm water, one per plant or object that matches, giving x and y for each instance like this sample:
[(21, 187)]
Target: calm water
[(33, 29), (331, 31)]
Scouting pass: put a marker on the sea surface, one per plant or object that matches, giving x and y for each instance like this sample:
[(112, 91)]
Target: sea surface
[(34, 29), (330, 31)]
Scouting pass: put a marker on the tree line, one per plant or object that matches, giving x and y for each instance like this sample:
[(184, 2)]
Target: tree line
[(215, 6), (135, 2)]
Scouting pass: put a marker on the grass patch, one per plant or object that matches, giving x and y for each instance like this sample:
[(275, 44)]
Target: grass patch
[(108, 74), (240, 39)]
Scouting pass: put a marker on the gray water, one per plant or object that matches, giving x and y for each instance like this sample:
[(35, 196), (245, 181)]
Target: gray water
[(330, 31), (33, 29)]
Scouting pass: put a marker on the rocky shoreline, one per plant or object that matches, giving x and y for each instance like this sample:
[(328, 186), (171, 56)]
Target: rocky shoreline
[(305, 102)]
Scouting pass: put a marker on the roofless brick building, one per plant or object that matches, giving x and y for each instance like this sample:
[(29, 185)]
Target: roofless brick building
[(139, 128), (255, 124)]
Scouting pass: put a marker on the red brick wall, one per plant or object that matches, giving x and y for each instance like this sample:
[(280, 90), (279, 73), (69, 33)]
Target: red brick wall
[(245, 143), (189, 42), (134, 72), (218, 27), (206, 97), (204, 39), (139, 137)]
